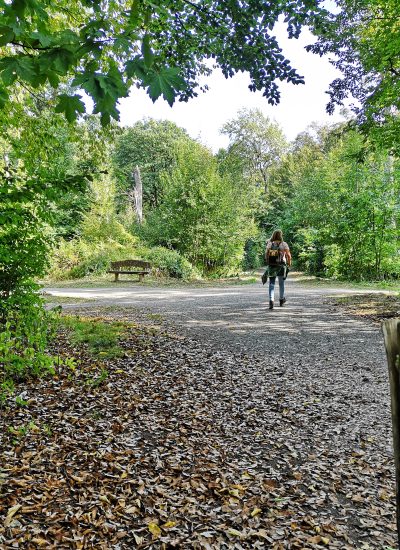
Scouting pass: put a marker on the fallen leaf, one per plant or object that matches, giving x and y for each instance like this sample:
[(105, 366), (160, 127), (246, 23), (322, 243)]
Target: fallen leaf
[(169, 524), (234, 532), (154, 530), (11, 513), (40, 542)]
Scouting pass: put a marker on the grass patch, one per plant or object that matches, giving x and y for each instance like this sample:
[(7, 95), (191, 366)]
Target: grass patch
[(155, 316), (101, 338)]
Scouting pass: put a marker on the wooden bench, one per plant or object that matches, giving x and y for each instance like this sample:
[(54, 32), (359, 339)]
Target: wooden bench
[(130, 267)]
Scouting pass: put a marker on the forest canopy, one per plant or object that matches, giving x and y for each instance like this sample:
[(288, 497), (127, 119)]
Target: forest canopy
[(103, 47)]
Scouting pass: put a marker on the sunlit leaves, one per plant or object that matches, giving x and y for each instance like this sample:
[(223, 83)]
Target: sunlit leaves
[(13, 67), (354, 235)]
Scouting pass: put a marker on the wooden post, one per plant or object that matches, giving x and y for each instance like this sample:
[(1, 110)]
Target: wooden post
[(138, 194), (116, 276), (391, 332)]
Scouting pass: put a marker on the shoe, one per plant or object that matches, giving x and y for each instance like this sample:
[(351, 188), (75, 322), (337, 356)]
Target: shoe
[(271, 304), (281, 302)]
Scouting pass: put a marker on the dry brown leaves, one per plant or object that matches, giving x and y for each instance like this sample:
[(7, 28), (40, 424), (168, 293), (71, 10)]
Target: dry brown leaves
[(185, 446), (374, 306)]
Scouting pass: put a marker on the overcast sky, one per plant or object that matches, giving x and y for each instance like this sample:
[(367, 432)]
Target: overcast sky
[(203, 116)]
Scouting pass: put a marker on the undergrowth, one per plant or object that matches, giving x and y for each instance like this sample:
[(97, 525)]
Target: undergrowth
[(100, 338)]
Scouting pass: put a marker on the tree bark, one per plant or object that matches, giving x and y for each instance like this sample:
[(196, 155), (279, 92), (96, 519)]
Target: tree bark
[(138, 194), (391, 331)]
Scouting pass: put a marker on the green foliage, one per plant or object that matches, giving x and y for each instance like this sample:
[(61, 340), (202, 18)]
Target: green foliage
[(105, 47), (258, 143), (201, 216), (101, 223), (151, 145), (364, 38), (254, 251), (342, 215), (25, 327), (169, 263), (33, 175), (24, 237), (100, 338), (77, 258), (103, 238)]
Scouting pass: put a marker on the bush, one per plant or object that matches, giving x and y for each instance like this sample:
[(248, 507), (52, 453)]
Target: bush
[(24, 246), (76, 259), (25, 327), (170, 263), (309, 252)]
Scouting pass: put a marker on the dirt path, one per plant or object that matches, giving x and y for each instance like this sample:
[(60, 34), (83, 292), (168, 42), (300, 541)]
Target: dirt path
[(294, 399), (238, 316)]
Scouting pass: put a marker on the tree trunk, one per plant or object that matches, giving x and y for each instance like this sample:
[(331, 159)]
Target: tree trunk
[(391, 331), (138, 195)]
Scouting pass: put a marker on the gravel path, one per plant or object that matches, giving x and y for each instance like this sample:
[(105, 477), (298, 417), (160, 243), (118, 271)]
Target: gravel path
[(317, 379), (237, 316)]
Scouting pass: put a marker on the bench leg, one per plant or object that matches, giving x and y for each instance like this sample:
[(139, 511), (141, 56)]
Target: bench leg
[(141, 278), (116, 277)]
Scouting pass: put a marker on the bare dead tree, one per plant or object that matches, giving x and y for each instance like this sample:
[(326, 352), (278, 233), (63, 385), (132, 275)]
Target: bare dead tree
[(138, 194)]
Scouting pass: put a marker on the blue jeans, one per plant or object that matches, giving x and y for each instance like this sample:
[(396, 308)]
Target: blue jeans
[(271, 288)]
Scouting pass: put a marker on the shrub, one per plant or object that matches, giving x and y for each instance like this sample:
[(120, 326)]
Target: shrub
[(25, 329), (24, 245), (170, 263), (203, 214), (332, 261), (77, 258)]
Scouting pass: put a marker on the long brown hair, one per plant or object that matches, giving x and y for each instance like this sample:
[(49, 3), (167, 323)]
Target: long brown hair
[(277, 235)]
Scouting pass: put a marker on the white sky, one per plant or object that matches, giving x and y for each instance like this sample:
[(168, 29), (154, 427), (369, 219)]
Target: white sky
[(203, 116)]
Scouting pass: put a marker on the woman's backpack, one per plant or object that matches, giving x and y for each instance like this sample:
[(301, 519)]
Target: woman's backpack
[(275, 256)]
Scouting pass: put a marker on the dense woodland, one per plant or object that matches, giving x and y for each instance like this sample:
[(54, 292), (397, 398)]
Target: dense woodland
[(67, 185)]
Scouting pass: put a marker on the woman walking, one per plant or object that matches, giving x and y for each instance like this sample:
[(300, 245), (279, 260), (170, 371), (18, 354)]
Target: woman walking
[(278, 259)]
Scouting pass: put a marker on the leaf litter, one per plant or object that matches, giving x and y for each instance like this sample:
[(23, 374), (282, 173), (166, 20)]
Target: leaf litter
[(187, 445)]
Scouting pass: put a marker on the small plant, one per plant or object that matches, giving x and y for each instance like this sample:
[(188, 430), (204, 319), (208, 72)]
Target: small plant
[(22, 431), (20, 401), (6, 389), (47, 430), (69, 362), (26, 328), (95, 382)]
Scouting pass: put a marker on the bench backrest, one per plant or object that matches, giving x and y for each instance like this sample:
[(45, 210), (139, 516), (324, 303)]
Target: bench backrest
[(130, 263)]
